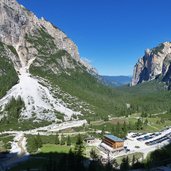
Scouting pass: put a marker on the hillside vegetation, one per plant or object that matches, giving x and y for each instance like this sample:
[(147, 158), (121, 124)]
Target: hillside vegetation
[(59, 69), (8, 75), (151, 97)]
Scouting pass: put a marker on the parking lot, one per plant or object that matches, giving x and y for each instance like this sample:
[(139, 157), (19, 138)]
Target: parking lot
[(147, 142)]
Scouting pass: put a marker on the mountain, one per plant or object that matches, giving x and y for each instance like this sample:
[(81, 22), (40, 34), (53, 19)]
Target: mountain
[(115, 81), (42, 77), (32, 52), (155, 64)]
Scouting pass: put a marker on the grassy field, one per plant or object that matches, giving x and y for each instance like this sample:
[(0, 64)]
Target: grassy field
[(47, 148), (155, 123)]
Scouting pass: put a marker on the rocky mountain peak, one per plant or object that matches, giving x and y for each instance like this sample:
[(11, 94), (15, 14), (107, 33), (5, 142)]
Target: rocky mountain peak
[(154, 63), (34, 48), (16, 22)]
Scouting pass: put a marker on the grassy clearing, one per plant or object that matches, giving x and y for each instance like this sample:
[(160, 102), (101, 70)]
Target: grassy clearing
[(47, 148), (155, 123)]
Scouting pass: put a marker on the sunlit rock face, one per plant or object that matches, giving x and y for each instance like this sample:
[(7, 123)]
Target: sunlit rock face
[(155, 63), (31, 42), (16, 22)]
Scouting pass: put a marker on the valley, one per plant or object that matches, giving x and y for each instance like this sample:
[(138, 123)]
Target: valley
[(58, 113)]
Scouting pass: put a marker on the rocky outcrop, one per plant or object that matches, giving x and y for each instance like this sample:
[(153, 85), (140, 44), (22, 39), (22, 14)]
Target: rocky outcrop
[(16, 23), (154, 64)]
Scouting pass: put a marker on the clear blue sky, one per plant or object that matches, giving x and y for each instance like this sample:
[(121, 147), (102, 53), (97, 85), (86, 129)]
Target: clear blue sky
[(112, 34)]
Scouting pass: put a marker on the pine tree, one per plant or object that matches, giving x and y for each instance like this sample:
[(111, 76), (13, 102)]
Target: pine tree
[(57, 139), (93, 154), (146, 122), (39, 141), (125, 129), (33, 146), (133, 160), (68, 140), (125, 164), (71, 160), (79, 146), (79, 153), (113, 130), (139, 124), (108, 166), (62, 140), (103, 132), (118, 129)]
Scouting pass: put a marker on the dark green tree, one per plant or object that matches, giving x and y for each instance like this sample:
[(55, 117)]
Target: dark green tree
[(139, 124), (62, 140), (133, 160), (146, 122), (57, 139), (125, 129), (144, 115), (103, 132), (125, 164), (32, 145), (38, 141), (108, 166), (93, 154), (118, 129), (68, 140), (113, 129), (79, 146)]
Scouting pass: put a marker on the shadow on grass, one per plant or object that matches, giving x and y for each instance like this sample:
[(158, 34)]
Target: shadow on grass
[(59, 162), (71, 162)]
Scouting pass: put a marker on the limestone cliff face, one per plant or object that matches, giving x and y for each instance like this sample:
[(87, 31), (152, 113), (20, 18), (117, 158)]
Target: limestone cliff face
[(156, 62), (40, 53), (16, 23)]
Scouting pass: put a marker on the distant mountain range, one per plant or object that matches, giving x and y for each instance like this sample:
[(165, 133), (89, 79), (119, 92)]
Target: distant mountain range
[(116, 81)]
